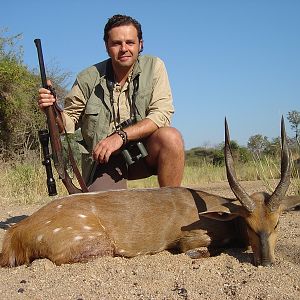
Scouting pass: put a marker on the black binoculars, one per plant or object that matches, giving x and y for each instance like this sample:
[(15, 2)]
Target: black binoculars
[(135, 150)]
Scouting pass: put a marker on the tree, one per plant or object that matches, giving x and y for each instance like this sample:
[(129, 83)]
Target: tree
[(257, 144), (274, 147), (245, 154), (20, 117), (294, 118), (17, 90), (239, 153)]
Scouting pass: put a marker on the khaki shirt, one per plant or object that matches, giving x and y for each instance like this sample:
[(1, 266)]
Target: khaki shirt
[(160, 109)]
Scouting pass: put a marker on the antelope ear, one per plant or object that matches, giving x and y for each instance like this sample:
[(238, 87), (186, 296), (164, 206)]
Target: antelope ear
[(225, 212), (219, 216), (290, 202)]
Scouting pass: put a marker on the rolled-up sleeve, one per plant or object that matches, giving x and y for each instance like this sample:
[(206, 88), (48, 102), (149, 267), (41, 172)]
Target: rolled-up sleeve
[(161, 107), (73, 107)]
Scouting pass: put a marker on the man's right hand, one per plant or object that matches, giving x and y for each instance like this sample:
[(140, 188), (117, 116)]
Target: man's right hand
[(106, 147), (45, 97)]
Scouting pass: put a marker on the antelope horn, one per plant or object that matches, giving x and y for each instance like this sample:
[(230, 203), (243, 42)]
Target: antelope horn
[(237, 189), (279, 192)]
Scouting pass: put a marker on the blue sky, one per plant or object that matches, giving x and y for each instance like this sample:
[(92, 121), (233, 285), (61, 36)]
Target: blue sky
[(234, 58)]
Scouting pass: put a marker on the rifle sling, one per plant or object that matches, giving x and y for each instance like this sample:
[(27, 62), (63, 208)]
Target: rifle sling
[(61, 127), (75, 168)]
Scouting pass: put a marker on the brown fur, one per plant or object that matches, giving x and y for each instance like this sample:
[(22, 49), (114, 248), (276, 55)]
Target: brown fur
[(129, 223), (126, 223)]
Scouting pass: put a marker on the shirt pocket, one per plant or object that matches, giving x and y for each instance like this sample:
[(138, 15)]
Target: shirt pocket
[(89, 121)]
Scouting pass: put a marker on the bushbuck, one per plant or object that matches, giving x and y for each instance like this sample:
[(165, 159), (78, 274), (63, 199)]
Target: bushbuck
[(128, 223)]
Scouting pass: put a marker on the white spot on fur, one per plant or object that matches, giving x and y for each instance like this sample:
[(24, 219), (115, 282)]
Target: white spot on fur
[(87, 227), (39, 237), (69, 227), (12, 259), (78, 238), (82, 216), (94, 210), (91, 237), (47, 222), (56, 230), (59, 206), (122, 251)]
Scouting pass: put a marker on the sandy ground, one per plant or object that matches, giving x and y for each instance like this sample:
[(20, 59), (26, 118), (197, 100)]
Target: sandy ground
[(162, 276)]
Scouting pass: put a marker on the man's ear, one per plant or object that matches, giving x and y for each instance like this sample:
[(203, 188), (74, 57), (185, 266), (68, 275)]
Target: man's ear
[(141, 46), (106, 47)]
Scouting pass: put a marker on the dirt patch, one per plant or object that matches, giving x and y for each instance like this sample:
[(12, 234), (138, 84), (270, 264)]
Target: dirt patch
[(162, 276)]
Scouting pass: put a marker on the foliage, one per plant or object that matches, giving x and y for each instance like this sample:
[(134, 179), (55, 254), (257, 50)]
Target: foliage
[(18, 110), (294, 118), (201, 155), (215, 156), (245, 155), (9, 47), (20, 118), (257, 144)]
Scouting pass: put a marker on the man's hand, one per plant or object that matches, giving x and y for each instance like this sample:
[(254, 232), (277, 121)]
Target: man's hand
[(106, 147), (45, 97), (114, 142)]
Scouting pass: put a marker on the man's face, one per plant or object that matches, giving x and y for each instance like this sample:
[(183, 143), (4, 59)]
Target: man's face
[(123, 46)]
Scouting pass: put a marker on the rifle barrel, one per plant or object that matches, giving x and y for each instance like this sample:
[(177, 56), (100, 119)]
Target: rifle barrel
[(56, 146), (41, 62), (57, 149)]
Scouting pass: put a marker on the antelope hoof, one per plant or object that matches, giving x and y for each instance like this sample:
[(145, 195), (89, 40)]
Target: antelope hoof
[(196, 253)]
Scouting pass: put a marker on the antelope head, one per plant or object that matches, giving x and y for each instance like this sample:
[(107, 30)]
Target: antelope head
[(260, 211)]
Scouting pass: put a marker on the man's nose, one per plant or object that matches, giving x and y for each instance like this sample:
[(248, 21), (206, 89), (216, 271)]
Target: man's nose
[(124, 47)]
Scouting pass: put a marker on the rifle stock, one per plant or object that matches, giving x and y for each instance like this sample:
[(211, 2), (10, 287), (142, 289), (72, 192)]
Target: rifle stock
[(55, 126)]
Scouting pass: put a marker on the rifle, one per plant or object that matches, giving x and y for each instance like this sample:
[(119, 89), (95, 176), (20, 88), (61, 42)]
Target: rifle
[(56, 127)]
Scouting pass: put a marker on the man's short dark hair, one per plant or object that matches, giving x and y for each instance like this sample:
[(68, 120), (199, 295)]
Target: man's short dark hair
[(119, 20)]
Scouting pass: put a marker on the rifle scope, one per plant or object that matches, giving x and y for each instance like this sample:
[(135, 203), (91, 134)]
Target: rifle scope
[(44, 140)]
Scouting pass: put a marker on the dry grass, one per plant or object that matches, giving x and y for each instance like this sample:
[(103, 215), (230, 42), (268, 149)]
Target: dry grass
[(268, 170), (25, 183)]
